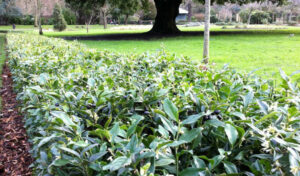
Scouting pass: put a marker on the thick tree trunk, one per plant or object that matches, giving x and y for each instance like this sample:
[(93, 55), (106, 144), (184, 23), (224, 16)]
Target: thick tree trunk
[(165, 21), (206, 32)]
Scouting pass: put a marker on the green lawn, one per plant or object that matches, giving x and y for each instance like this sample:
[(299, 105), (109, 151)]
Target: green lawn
[(80, 30), (2, 59), (266, 51), (263, 47)]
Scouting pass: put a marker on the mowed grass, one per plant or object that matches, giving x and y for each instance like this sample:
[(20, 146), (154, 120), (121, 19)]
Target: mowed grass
[(265, 51), (80, 30), (2, 60), (264, 47)]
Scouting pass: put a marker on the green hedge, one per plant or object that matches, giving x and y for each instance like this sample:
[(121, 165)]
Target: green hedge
[(102, 113)]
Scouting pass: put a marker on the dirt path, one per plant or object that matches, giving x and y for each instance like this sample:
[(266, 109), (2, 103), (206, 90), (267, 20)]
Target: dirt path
[(14, 147)]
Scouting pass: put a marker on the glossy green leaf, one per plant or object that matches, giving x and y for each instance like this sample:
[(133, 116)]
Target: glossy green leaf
[(171, 110)]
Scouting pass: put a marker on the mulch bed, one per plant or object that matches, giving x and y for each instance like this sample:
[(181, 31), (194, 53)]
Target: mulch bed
[(14, 147)]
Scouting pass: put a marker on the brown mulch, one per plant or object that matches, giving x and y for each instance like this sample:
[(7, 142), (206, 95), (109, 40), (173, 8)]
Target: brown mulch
[(14, 147)]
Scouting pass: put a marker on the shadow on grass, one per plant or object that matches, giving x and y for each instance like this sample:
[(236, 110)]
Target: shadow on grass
[(154, 36)]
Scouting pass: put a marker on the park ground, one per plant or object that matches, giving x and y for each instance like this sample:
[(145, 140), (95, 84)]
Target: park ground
[(264, 48)]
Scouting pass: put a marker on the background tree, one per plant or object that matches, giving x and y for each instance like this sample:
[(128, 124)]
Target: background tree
[(206, 32), (69, 16), (88, 9), (39, 8), (36, 14), (148, 10), (8, 11), (59, 22), (103, 13), (127, 8)]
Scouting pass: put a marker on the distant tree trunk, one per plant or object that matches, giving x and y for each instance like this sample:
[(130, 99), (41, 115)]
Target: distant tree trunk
[(40, 17), (249, 17), (100, 16), (88, 22), (206, 32), (126, 19), (36, 14), (87, 27), (165, 21), (290, 17), (190, 12), (104, 19), (103, 13)]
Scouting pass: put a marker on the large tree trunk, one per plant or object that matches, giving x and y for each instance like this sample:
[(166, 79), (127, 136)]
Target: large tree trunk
[(206, 32), (165, 21)]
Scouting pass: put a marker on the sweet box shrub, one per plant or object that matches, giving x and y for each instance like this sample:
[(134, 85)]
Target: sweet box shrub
[(94, 112)]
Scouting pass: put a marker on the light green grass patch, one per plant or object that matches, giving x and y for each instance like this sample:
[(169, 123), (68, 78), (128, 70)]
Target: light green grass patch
[(247, 52)]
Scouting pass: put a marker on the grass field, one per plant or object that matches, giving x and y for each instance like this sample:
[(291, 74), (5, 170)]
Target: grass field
[(263, 47), (267, 52), (2, 58)]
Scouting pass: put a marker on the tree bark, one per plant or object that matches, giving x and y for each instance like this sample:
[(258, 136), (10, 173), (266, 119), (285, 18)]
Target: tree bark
[(190, 11), (40, 16), (249, 17), (126, 19), (290, 17), (206, 32), (165, 21), (104, 19), (36, 14)]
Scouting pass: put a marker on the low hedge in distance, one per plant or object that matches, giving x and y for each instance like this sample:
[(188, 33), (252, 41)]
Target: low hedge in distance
[(102, 113)]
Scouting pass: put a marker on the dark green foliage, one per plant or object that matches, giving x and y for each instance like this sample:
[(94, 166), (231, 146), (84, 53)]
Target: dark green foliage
[(149, 10), (9, 13), (126, 8), (69, 16), (257, 17), (59, 22), (27, 20), (100, 113)]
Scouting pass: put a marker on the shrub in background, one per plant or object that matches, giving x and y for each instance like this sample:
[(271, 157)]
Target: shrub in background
[(69, 16), (59, 21), (27, 20)]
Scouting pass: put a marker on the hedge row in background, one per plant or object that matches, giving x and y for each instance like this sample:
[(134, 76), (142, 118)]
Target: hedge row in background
[(101, 113)]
